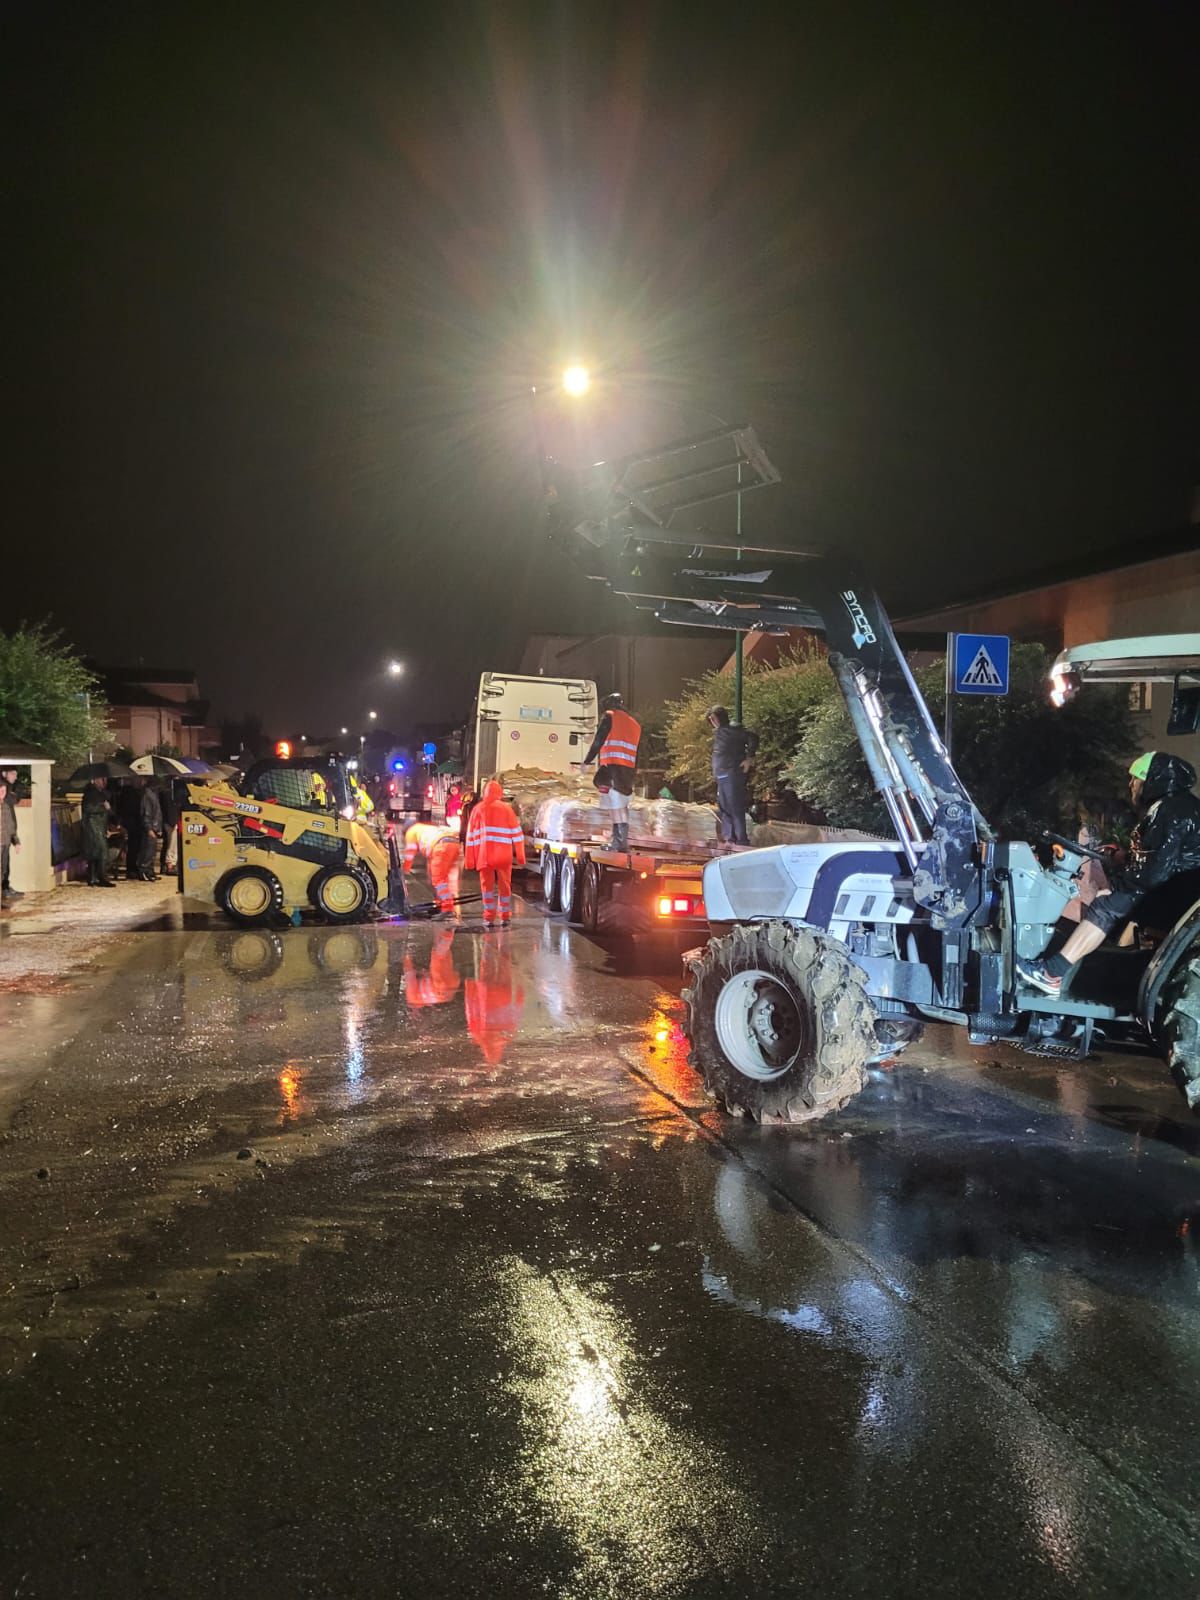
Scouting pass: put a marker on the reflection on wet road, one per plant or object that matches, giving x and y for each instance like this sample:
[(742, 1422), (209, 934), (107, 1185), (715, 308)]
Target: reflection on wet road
[(412, 1260)]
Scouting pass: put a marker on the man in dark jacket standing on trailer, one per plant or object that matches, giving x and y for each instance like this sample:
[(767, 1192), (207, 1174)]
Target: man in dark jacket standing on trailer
[(733, 753)]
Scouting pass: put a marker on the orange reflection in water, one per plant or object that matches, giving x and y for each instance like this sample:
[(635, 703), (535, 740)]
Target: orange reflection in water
[(665, 1051), (291, 1087)]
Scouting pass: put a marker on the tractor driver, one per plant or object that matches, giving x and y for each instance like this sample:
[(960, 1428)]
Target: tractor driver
[(1164, 847)]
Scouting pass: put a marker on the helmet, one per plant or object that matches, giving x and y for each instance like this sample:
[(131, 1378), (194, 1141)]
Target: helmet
[(610, 702), (1141, 767)]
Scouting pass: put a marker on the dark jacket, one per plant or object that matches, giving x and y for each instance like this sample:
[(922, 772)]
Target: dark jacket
[(731, 746), (169, 804), (8, 820), (1166, 841), (95, 823), (150, 810)]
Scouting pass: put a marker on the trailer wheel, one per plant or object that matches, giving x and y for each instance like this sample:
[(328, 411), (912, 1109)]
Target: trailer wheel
[(1179, 1029), (550, 880), (250, 896), (779, 1022), (589, 898), (598, 911), (339, 894), (568, 886)]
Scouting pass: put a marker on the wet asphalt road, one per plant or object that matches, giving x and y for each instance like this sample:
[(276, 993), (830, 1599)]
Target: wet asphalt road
[(406, 1261)]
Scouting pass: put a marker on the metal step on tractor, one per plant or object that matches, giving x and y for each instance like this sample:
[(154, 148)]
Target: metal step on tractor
[(827, 957)]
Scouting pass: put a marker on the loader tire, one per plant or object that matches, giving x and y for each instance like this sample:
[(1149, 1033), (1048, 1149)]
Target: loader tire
[(340, 894), (779, 1022), (250, 896), (1179, 1030)]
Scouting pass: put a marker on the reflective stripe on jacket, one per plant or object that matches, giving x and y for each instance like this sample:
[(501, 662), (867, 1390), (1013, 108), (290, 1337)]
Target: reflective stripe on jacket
[(494, 836), (620, 747)]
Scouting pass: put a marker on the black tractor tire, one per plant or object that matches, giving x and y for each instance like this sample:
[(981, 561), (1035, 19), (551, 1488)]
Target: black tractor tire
[(550, 864), (779, 1022), (339, 894), (1179, 1026), (250, 896)]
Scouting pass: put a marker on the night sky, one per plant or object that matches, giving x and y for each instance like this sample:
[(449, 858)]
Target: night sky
[(277, 280)]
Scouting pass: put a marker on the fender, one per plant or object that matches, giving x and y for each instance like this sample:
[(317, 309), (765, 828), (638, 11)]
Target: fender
[(1163, 964)]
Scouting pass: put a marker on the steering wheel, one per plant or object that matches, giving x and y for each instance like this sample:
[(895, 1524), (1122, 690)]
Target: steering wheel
[(1074, 846)]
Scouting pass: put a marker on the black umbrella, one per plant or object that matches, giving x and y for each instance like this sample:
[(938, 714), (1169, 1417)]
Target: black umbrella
[(100, 769)]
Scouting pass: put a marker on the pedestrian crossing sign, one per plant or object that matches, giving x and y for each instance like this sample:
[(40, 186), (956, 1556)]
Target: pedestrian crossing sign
[(981, 663)]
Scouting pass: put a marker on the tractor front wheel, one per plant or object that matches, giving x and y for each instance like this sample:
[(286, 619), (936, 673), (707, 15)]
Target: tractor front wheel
[(779, 1022)]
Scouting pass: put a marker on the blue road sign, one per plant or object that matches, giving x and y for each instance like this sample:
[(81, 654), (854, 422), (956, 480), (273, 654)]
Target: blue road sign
[(981, 663), (429, 751)]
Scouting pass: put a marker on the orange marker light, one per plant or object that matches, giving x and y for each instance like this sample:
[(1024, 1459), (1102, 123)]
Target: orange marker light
[(664, 906), (283, 749)]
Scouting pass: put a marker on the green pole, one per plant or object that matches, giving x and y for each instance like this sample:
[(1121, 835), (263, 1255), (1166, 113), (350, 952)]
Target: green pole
[(738, 636)]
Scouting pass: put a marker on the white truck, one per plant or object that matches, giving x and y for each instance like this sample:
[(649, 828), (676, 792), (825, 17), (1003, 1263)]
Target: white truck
[(520, 721)]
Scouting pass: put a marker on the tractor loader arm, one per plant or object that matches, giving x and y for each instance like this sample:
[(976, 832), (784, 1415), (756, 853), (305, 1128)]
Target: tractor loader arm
[(635, 550)]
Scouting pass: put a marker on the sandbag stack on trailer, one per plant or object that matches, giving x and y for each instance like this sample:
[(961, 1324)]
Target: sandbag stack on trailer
[(567, 810)]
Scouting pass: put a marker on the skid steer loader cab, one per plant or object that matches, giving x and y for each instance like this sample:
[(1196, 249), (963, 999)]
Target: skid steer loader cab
[(284, 839), (826, 957)]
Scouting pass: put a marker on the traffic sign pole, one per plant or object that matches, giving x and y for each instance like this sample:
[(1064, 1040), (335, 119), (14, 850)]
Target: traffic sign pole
[(951, 650)]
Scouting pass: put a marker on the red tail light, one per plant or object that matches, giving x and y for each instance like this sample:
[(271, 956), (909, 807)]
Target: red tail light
[(680, 905)]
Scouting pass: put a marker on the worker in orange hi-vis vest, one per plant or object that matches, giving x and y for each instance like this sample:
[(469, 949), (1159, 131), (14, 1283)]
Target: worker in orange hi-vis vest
[(443, 854), (615, 750), (494, 844), (493, 1002), (438, 984)]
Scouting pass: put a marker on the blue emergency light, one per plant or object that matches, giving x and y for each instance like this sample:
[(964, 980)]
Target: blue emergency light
[(397, 766)]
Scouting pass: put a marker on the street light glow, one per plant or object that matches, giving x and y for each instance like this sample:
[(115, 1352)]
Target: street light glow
[(395, 669), (576, 381), (344, 732), (372, 715)]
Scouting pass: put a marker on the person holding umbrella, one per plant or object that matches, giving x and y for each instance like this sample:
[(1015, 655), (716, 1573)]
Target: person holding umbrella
[(95, 810)]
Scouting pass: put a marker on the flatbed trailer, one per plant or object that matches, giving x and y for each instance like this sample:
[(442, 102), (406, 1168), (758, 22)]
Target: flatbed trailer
[(639, 890)]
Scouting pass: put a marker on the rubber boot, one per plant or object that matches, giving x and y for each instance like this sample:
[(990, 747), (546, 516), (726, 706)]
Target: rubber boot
[(621, 834), (614, 839)]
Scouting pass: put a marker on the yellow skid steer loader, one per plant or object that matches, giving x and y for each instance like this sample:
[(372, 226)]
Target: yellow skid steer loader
[(283, 839)]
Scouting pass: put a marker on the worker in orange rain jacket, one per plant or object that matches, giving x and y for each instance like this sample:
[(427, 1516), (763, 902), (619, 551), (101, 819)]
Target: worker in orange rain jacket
[(443, 853), (493, 1002), (441, 982), (494, 844), (615, 749)]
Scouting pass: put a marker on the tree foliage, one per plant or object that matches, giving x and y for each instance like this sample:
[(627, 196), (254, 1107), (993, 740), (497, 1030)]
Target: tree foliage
[(48, 697), (776, 703), (1027, 765)]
